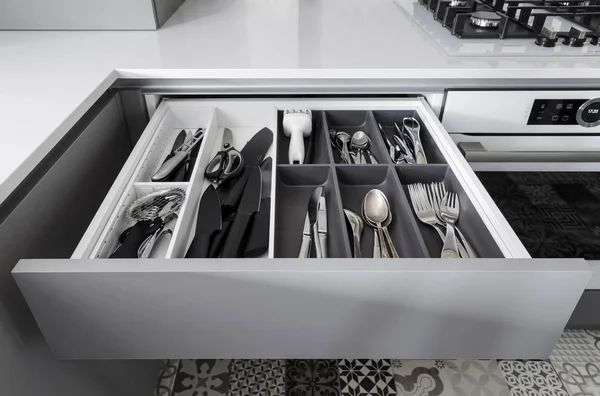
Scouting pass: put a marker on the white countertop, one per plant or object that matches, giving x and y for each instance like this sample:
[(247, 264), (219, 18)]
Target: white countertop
[(49, 79)]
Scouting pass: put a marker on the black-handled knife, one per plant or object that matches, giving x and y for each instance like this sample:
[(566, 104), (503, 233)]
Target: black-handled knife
[(209, 221), (249, 205), (258, 237)]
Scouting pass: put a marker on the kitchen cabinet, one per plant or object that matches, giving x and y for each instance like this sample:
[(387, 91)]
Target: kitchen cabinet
[(503, 305)]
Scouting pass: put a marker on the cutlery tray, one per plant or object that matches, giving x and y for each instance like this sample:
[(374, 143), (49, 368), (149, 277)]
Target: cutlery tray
[(291, 185)]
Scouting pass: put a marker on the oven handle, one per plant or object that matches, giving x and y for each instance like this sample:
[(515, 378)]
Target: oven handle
[(475, 152)]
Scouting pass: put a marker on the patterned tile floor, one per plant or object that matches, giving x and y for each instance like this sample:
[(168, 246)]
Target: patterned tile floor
[(572, 370)]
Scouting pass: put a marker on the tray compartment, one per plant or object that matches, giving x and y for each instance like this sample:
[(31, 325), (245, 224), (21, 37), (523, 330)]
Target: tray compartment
[(351, 121), (109, 238), (356, 181), (162, 143), (321, 152), (469, 221), (387, 118), (295, 184), (243, 124)]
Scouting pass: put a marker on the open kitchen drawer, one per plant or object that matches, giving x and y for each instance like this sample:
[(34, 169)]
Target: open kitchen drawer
[(504, 305)]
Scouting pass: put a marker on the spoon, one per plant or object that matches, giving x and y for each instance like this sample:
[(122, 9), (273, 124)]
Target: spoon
[(357, 226), (360, 142), (344, 139), (375, 211), (385, 225)]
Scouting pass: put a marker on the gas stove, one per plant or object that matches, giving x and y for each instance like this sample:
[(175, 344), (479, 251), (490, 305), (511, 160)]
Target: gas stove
[(510, 27)]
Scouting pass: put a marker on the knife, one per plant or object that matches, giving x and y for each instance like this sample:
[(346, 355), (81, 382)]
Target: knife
[(322, 224), (313, 215), (258, 238), (209, 221), (249, 205), (253, 153), (178, 174)]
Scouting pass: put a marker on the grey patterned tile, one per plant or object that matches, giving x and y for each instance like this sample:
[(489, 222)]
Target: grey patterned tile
[(449, 378), (580, 379), (577, 346), (263, 377), (166, 378), (200, 377), (532, 378), (366, 377), (306, 377)]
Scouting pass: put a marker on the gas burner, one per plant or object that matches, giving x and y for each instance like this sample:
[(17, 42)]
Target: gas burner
[(571, 20), (485, 19)]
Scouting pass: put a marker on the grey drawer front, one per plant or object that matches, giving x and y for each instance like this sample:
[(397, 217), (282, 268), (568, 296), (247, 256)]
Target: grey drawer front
[(408, 308)]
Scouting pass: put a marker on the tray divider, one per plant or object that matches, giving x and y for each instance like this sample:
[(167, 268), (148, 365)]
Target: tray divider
[(340, 205), (325, 131), (185, 229), (405, 201), (376, 138)]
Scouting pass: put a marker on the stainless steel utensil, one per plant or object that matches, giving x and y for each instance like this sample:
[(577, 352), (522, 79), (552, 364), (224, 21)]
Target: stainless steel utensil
[(407, 154), (462, 240), (344, 140), (422, 207), (322, 226), (315, 226), (391, 147), (356, 222), (449, 213), (179, 155), (435, 193), (413, 128), (385, 224), (375, 212), (360, 142)]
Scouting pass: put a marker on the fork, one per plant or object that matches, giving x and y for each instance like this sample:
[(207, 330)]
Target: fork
[(436, 192), (449, 212), (462, 241), (423, 209)]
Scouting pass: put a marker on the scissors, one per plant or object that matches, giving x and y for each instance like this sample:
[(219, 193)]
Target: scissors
[(227, 164)]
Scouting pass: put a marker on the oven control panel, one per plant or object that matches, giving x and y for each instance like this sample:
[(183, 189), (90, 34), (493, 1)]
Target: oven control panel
[(529, 112), (555, 111)]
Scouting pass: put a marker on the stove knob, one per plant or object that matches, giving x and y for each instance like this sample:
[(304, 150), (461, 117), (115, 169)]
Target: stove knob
[(596, 37), (576, 38), (588, 114), (546, 38)]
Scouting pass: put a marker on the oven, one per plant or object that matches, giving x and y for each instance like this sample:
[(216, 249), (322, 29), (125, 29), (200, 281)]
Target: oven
[(537, 153)]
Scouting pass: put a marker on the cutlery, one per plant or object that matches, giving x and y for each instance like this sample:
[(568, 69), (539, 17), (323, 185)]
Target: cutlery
[(344, 139), (179, 156), (423, 209), (361, 143), (375, 212), (208, 222), (258, 239), (322, 225), (436, 192), (461, 238), (413, 128), (249, 204), (357, 224), (297, 125), (391, 148), (376, 246), (449, 212), (386, 223), (179, 174), (407, 153), (312, 229)]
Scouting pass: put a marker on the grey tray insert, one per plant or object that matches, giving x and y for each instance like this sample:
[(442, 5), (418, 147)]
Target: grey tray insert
[(469, 221), (387, 118), (320, 154), (350, 121), (295, 184), (355, 181)]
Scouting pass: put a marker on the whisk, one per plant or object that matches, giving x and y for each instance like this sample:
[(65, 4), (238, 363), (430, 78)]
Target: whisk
[(149, 212)]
